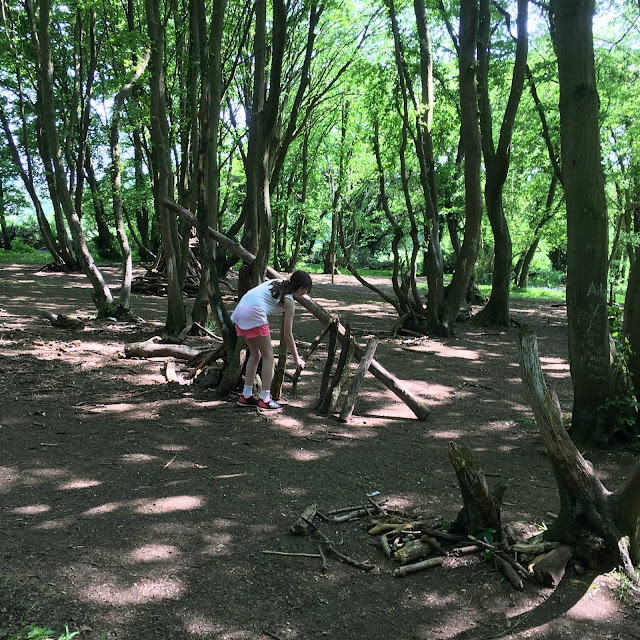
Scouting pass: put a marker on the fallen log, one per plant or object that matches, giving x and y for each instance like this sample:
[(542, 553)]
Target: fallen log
[(396, 386), (63, 322), (412, 551), (418, 566), (509, 573), (152, 348)]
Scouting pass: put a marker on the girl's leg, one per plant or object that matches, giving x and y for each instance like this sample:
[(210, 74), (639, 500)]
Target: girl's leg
[(260, 346), (252, 361)]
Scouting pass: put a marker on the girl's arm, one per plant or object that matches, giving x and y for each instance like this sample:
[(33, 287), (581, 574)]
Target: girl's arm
[(289, 313)]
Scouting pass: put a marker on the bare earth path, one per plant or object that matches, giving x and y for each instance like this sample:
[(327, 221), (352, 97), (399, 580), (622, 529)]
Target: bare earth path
[(135, 509)]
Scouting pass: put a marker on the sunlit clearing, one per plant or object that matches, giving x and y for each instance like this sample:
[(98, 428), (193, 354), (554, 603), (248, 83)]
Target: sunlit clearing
[(49, 473), (584, 609), (304, 455), (109, 507), (398, 502), (555, 367), (294, 491), (199, 625), (445, 351), (168, 505), (439, 394), (32, 509), (152, 553), (79, 484), (501, 425), (137, 457), (119, 407), (52, 525), (217, 545), (447, 434), (141, 592)]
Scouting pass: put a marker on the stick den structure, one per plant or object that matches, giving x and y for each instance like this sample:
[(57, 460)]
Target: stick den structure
[(392, 383)]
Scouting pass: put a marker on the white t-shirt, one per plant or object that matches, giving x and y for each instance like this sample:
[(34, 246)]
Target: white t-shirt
[(256, 305)]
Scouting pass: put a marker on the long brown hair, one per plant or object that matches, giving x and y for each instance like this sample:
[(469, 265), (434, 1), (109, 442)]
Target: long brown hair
[(297, 280)]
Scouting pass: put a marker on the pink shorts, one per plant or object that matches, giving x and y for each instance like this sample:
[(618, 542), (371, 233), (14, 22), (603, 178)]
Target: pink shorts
[(254, 332)]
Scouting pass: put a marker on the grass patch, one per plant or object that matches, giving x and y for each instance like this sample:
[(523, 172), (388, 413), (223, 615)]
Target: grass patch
[(19, 257), (34, 632)]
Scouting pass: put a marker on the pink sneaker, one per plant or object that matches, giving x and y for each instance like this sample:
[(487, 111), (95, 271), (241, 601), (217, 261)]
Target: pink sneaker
[(269, 405), (244, 401)]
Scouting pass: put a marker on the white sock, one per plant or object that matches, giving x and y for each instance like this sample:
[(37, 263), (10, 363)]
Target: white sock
[(265, 395), (247, 392)]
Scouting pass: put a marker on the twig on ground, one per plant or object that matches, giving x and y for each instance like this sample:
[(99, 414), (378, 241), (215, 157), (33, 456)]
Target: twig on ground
[(294, 555)]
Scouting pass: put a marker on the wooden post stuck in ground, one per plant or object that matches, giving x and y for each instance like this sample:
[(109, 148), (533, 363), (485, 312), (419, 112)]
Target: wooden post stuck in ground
[(352, 395)]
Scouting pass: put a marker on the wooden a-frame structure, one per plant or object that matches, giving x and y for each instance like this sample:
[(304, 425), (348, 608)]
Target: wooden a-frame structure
[(419, 408)]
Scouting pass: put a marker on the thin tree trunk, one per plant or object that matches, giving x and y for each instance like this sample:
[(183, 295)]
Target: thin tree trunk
[(116, 181), (631, 323), (496, 161), (163, 182), (102, 296), (6, 240), (43, 223)]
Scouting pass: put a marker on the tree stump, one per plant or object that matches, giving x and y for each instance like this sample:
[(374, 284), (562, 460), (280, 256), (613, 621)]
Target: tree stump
[(481, 508)]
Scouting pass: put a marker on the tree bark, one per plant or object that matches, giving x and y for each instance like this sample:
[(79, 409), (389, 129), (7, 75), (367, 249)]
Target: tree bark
[(496, 162), (481, 510), (470, 133), (163, 175), (587, 223), (116, 180), (6, 240)]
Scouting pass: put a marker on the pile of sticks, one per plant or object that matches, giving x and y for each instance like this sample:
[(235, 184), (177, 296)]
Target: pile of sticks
[(416, 546), (154, 281)]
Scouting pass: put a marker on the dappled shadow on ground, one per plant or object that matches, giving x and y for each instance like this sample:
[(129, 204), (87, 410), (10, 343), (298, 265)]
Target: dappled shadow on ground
[(133, 508)]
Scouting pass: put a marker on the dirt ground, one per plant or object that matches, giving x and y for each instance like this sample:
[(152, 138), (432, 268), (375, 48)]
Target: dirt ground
[(131, 508)]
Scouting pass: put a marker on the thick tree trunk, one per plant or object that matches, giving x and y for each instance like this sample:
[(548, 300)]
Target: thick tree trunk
[(470, 129), (587, 223)]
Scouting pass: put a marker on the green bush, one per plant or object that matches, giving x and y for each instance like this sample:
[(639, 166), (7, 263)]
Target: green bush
[(18, 246), (27, 232)]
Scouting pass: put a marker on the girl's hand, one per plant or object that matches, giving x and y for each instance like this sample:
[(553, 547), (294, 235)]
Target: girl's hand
[(301, 364)]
